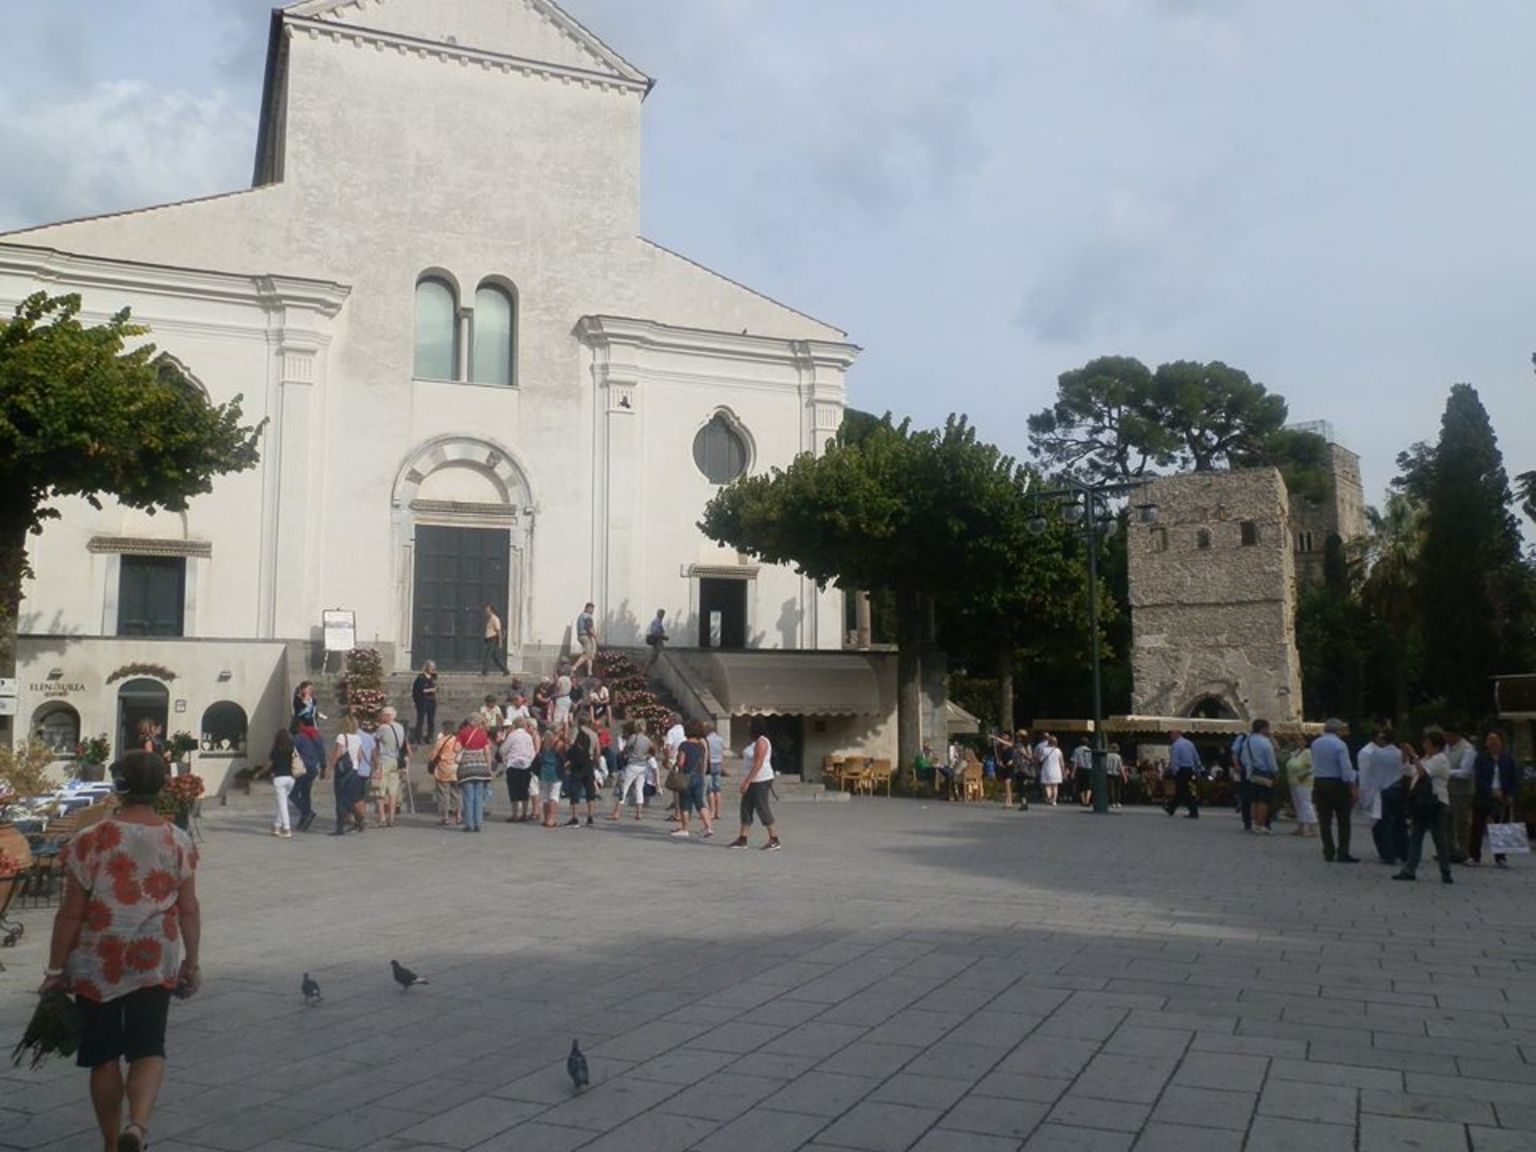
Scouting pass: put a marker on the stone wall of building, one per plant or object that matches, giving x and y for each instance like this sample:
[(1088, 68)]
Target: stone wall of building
[(1212, 588), (1342, 515)]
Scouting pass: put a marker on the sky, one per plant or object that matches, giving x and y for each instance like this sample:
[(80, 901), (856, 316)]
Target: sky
[(1335, 197)]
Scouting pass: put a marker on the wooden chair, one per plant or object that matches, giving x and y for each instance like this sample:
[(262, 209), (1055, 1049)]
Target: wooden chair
[(858, 777), (880, 772), (971, 782), (832, 769)]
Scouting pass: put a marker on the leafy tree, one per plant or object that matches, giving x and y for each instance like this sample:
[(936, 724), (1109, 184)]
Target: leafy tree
[(930, 517), (1525, 484), (1390, 592), (1104, 423), (1033, 617), (1476, 589), (82, 414), (1114, 420), (1330, 639), (1217, 412)]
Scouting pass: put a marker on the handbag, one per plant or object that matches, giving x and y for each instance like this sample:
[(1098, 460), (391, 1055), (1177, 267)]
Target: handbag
[(1508, 840), (297, 768), (676, 781)]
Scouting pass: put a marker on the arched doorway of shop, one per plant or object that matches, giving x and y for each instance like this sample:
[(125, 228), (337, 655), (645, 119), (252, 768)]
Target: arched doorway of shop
[(137, 701)]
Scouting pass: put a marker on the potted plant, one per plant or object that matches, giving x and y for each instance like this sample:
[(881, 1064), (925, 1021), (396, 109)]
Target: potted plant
[(180, 748), (178, 799), (91, 757)]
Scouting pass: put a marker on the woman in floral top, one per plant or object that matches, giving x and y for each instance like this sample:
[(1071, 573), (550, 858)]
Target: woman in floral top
[(126, 935)]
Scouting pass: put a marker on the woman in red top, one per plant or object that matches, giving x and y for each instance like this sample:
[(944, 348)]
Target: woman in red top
[(126, 935), (474, 771)]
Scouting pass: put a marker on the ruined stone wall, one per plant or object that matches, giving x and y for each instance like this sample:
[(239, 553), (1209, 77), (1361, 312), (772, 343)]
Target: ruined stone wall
[(1212, 588), (1312, 522)]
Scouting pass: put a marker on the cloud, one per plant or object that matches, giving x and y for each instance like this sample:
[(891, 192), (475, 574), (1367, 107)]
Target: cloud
[(116, 146)]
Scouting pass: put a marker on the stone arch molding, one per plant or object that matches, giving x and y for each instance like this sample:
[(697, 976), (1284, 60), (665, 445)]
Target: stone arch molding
[(483, 455), (1223, 691)]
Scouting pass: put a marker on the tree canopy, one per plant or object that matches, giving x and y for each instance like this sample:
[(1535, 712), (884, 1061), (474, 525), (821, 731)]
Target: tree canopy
[(1115, 420), (938, 518), (83, 414)]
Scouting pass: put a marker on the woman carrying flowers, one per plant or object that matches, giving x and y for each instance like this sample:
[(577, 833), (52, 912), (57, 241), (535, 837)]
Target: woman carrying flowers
[(126, 935)]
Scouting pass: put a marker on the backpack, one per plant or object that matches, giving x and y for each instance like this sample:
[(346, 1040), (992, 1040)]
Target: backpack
[(1423, 804)]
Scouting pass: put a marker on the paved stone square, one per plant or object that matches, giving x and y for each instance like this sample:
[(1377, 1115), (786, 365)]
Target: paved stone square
[(903, 975)]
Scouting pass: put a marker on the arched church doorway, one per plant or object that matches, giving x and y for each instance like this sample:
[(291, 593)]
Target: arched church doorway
[(462, 514)]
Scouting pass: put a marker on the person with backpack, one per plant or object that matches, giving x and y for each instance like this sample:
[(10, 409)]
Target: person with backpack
[(1429, 807), (1256, 755), (347, 758)]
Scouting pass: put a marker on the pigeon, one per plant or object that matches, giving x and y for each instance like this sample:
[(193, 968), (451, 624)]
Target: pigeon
[(311, 990), (404, 976), (576, 1065)]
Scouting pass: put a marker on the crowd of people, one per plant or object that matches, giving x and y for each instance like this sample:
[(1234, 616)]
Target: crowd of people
[(560, 745), (1445, 788)]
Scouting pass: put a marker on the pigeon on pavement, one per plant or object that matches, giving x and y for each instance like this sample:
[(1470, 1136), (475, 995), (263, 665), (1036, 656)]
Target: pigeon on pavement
[(311, 990), (576, 1065), (404, 976)]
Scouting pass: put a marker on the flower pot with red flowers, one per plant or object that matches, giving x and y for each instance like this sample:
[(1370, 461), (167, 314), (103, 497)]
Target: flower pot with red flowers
[(178, 799)]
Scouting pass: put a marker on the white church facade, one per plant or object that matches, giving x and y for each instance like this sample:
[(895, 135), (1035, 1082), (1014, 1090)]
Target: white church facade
[(481, 384)]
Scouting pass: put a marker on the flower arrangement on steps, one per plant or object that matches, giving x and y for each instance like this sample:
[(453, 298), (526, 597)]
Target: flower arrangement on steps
[(363, 687), (632, 694)]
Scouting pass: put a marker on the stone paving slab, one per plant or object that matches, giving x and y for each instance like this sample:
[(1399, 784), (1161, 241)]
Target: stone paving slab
[(904, 975)]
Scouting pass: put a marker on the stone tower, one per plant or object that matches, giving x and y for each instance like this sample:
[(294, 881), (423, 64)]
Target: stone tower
[(1342, 514), (1213, 601)]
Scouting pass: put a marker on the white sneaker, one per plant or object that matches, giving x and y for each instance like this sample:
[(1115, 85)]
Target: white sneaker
[(679, 833)]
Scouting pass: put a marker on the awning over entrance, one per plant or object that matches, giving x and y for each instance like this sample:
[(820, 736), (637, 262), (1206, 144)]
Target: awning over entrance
[(767, 683), (960, 722), (1162, 725)]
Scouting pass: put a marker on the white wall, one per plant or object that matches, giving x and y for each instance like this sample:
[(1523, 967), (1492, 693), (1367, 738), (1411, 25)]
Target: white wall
[(399, 162)]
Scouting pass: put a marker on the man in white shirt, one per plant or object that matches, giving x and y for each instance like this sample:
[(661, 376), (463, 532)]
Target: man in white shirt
[(1462, 787), (1380, 765), (491, 650)]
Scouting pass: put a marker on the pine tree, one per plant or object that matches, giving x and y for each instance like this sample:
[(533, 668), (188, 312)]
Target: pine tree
[(1475, 587)]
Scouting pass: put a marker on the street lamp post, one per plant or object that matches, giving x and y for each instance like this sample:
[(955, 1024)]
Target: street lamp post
[(1089, 503)]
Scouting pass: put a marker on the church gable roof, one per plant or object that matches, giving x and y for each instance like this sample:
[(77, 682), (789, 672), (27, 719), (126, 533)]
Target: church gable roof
[(532, 30)]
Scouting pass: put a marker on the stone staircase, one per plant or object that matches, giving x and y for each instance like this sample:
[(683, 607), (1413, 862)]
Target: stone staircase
[(459, 694)]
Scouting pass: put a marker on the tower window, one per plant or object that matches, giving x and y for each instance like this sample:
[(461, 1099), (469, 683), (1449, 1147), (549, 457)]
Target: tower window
[(1250, 531), (1203, 539)]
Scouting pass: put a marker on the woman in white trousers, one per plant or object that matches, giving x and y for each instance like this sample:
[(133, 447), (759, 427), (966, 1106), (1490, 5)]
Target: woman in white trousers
[(1298, 770), (282, 781)]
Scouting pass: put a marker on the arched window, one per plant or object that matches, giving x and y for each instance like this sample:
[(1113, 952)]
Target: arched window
[(224, 729), (1203, 539), (437, 321), (58, 726), (495, 336), (720, 450)]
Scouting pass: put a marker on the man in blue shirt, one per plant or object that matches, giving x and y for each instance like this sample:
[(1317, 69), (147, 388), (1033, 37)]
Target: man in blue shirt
[(1184, 761), (1256, 755), (1333, 790)]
